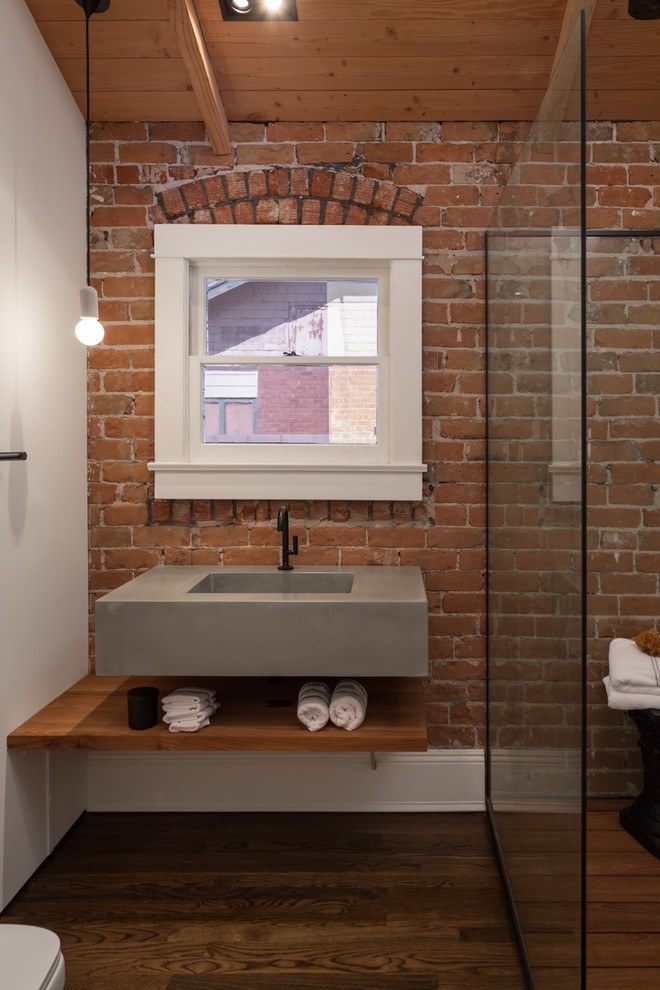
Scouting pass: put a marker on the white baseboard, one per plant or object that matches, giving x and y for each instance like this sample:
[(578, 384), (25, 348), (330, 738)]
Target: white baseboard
[(541, 780), (438, 780)]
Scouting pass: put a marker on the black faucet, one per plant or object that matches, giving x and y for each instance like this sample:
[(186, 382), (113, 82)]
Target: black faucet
[(283, 528)]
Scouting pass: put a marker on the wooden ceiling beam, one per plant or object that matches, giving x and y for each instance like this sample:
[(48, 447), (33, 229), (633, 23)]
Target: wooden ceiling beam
[(571, 15), (561, 98), (186, 27)]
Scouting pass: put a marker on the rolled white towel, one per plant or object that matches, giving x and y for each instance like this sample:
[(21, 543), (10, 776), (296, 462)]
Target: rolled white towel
[(348, 705), (627, 701), (313, 701), (631, 670)]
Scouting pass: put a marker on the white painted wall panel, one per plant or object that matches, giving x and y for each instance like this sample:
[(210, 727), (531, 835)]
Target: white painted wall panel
[(43, 541)]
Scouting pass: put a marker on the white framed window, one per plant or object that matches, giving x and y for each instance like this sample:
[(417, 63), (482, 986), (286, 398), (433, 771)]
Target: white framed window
[(288, 362)]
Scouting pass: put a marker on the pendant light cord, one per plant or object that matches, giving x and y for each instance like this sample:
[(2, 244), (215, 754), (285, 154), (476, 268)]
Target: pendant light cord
[(87, 141)]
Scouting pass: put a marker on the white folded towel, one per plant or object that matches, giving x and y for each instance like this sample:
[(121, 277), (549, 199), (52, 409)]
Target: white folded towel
[(348, 704), (193, 693), (627, 701), (313, 701), (176, 716), (189, 709), (188, 699), (188, 724), (633, 671)]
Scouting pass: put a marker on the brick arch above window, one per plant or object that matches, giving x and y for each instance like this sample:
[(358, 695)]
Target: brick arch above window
[(289, 196)]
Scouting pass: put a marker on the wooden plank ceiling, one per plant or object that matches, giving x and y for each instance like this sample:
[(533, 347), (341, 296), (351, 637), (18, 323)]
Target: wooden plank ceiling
[(354, 60)]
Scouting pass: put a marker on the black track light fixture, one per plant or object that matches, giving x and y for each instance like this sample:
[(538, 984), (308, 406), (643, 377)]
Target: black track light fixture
[(93, 6), (644, 10), (258, 10)]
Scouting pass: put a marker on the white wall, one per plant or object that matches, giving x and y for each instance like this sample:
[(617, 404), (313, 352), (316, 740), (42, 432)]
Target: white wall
[(43, 540)]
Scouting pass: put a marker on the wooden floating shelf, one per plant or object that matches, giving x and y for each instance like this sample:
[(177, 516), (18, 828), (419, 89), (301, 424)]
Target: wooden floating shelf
[(256, 714)]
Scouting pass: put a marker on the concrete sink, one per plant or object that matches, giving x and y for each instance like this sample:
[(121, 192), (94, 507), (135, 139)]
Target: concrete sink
[(254, 621), (300, 583)]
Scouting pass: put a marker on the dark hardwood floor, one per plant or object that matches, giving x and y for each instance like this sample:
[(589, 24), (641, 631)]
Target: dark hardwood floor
[(277, 901), (623, 905), (307, 902)]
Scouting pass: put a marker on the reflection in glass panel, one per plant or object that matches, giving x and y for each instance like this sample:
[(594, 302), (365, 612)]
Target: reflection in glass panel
[(536, 532), (534, 588), (291, 403), (303, 318)]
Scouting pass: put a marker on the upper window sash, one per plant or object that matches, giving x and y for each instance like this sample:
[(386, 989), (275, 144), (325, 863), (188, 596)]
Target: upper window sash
[(300, 271)]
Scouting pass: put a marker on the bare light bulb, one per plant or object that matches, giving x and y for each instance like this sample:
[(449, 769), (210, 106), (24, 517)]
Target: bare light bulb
[(273, 5), (88, 329)]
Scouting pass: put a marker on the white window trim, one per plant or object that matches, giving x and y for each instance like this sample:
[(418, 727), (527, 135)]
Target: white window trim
[(390, 470)]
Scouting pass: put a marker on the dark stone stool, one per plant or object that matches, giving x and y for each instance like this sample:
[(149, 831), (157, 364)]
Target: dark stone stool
[(642, 818)]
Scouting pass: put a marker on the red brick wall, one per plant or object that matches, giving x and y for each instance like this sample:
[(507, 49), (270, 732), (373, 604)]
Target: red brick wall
[(353, 401), (624, 451), (292, 401), (444, 177)]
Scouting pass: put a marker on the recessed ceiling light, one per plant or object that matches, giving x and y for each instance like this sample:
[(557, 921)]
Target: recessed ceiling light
[(258, 10)]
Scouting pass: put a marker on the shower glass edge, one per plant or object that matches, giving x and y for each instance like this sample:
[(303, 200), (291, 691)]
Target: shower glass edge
[(535, 464)]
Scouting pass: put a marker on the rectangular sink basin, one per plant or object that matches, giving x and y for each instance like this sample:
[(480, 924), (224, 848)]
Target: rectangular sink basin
[(258, 621), (277, 582)]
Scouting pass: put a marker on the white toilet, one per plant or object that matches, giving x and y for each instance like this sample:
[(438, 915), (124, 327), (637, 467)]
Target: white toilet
[(30, 958)]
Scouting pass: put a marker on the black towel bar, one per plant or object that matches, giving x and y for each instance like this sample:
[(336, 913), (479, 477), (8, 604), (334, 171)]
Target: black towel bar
[(17, 455)]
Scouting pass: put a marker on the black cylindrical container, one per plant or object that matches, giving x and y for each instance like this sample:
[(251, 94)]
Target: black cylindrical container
[(142, 707)]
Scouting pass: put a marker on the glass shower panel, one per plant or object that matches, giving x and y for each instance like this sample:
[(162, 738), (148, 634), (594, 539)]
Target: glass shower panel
[(535, 533)]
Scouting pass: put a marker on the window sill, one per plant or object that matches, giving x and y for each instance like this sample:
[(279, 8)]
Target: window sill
[(376, 482)]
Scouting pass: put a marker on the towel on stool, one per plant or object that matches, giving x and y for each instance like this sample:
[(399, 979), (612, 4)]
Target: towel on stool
[(627, 701), (313, 701), (632, 671), (348, 704)]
